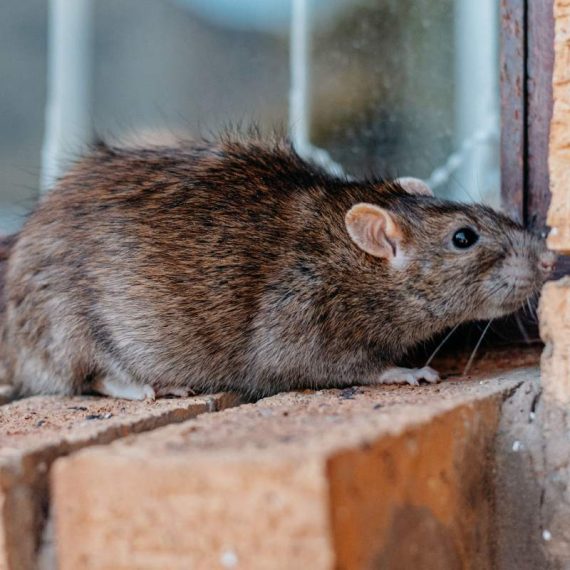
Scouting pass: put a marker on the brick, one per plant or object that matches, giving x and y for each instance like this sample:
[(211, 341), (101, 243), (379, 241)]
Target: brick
[(554, 414), (554, 475), (559, 153), (519, 496), (555, 331), (36, 431), (385, 477)]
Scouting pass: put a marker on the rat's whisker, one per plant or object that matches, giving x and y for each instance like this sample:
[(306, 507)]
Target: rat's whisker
[(472, 357), (532, 308), (522, 329), (447, 336), (527, 309)]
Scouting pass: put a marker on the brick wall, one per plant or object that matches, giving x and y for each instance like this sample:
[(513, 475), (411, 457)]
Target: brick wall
[(387, 477), (555, 314)]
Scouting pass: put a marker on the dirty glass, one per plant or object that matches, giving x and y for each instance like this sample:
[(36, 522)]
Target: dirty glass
[(22, 101), (410, 87), (160, 68), (395, 87), (189, 66)]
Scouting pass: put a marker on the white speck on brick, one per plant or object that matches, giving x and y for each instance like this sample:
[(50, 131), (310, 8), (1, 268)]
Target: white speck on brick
[(517, 446), (554, 231), (546, 535), (531, 416), (412, 445), (229, 559)]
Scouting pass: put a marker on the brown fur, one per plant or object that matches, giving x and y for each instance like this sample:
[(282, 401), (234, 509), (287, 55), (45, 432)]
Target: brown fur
[(227, 265), (6, 243)]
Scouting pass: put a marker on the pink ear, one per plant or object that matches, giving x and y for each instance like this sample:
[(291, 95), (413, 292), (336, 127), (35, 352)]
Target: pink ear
[(414, 186), (373, 230)]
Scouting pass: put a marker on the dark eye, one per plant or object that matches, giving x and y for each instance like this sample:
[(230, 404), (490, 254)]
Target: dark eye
[(464, 238)]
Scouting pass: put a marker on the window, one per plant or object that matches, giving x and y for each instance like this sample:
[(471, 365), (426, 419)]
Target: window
[(440, 89)]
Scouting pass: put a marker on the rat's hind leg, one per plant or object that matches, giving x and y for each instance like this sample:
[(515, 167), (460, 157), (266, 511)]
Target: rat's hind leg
[(55, 370), (47, 343), (115, 382), (410, 376), (116, 386)]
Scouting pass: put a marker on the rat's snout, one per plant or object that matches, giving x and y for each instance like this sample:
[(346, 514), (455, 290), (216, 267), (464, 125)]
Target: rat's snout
[(546, 262)]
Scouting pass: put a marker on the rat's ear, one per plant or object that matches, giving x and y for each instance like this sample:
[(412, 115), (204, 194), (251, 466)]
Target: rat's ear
[(373, 230), (414, 186)]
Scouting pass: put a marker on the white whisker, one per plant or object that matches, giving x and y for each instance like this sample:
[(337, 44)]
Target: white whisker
[(441, 344), (472, 357), (522, 330)]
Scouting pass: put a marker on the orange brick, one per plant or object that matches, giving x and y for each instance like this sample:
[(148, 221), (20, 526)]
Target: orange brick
[(559, 153), (555, 421), (36, 431), (555, 331), (388, 477)]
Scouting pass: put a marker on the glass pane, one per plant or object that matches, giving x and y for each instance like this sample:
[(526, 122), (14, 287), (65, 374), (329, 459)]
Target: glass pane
[(189, 66), (22, 103), (159, 67), (410, 88), (396, 87)]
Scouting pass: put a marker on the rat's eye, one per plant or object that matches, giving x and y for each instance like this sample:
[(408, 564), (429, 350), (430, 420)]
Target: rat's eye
[(464, 238)]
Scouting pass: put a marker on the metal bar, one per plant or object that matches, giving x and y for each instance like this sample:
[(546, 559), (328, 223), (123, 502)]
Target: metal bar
[(540, 66), (513, 107), (299, 90), (299, 94), (69, 126)]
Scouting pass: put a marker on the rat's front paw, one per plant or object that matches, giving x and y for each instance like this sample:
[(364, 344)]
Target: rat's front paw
[(411, 376)]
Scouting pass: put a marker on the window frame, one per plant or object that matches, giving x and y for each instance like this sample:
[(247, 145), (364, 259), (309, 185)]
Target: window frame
[(527, 63), (526, 71)]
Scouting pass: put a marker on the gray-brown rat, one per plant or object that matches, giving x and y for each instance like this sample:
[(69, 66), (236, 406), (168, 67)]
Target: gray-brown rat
[(237, 265)]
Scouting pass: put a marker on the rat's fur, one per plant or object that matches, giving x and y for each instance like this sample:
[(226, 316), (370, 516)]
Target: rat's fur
[(6, 244), (227, 265)]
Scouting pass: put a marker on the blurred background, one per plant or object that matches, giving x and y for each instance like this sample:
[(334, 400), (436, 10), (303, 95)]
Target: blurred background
[(385, 87)]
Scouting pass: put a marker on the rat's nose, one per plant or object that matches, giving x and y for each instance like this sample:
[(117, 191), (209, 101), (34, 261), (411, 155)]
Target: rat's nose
[(546, 261)]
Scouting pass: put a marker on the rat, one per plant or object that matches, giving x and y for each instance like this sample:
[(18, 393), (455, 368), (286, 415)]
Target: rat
[(234, 264)]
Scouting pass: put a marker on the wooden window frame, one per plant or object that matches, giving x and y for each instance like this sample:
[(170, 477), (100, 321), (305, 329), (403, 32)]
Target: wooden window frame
[(527, 63)]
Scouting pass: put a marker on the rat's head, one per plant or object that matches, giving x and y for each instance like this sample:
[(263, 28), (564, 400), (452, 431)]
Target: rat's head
[(455, 262)]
